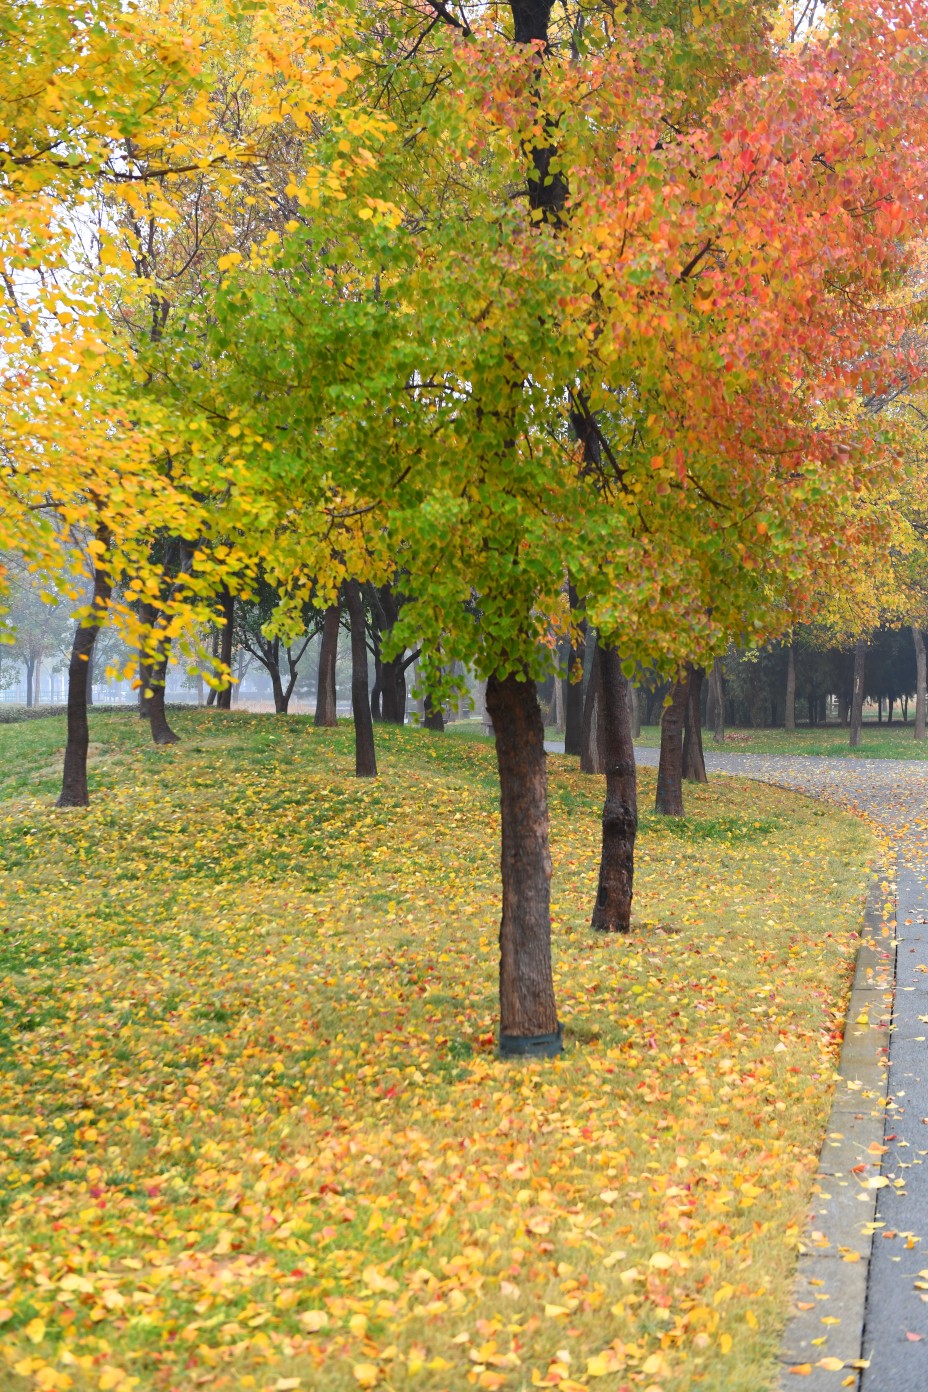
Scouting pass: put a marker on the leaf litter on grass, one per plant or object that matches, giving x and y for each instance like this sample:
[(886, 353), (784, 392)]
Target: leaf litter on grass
[(253, 1132)]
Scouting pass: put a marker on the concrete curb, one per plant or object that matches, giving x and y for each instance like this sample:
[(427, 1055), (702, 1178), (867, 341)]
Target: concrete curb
[(834, 1255)]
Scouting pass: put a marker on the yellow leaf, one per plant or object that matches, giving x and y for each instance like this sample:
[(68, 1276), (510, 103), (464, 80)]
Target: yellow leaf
[(661, 1261), (556, 1311), (366, 1374), (110, 1377), (35, 1331), (725, 1343), (49, 1379), (314, 1320), (832, 1365), (598, 1366)]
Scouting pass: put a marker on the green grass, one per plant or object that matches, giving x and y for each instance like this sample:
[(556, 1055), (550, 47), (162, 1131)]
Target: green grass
[(252, 1125), (831, 741)]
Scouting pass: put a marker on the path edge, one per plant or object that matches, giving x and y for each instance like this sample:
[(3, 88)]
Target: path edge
[(834, 1231)]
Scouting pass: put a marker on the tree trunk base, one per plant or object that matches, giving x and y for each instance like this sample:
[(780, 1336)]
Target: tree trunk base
[(532, 1045)]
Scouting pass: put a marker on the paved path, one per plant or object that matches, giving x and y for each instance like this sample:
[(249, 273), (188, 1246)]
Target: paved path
[(894, 795)]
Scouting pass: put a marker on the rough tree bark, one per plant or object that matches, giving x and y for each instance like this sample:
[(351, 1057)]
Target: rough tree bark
[(669, 799), (328, 652), (789, 719), (528, 1014), (224, 697), (857, 695), (592, 755), (613, 907), (573, 714), (74, 780), (920, 678), (694, 762), (365, 758)]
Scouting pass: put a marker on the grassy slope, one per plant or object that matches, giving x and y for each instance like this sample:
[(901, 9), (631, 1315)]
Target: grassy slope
[(252, 1126)]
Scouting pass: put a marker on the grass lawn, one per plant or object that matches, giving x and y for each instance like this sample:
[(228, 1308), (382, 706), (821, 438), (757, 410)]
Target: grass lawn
[(253, 1132), (877, 742)]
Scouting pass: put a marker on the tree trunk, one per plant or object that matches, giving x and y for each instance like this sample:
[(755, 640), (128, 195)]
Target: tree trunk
[(377, 688), (90, 674), (74, 780), (393, 697), (277, 686), (857, 698), (715, 710), (592, 759), (365, 758), (613, 907), (669, 800), (634, 709), (146, 619), (890, 702), (559, 707), (326, 713), (694, 763), (30, 669), (789, 719), (920, 681), (37, 683), (224, 697), (485, 717), (528, 1014), (434, 716), (573, 713), (161, 731)]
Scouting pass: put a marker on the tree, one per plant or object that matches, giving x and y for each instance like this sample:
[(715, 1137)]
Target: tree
[(636, 374), (256, 632), (37, 626)]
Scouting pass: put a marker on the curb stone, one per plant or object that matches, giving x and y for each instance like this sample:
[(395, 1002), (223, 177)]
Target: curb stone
[(834, 1253)]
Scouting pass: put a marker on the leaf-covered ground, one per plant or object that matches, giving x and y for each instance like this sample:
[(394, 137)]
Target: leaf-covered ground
[(253, 1132)]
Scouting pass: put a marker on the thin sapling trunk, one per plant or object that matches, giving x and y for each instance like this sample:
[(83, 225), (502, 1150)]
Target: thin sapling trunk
[(857, 695), (920, 678)]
